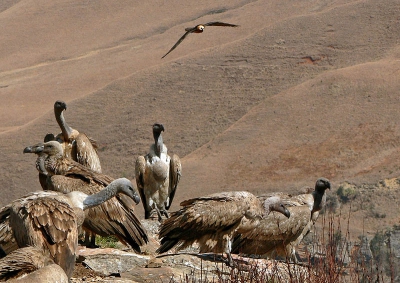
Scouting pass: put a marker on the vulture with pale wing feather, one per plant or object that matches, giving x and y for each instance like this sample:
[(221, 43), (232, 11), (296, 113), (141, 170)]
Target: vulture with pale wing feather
[(114, 217), (30, 264), (77, 146), (157, 176), (211, 221), (278, 236), (49, 220)]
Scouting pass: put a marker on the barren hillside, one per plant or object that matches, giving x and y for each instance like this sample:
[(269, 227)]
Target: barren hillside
[(301, 89)]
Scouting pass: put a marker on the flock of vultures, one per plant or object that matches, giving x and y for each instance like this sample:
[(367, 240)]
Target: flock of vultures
[(39, 232)]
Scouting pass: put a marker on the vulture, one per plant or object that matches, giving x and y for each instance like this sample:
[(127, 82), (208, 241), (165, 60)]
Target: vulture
[(211, 221), (49, 220), (114, 217), (157, 176), (278, 236), (77, 146), (30, 264), (197, 29)]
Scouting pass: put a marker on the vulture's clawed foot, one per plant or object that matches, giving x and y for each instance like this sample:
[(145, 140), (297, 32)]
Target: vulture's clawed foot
[(166, 214), (230, 262)]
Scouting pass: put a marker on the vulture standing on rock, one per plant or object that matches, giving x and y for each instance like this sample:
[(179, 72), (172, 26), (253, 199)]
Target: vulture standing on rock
[(49, 221), (211, 221), (157, 176), (114, 217), (30, 264), (279, 236)]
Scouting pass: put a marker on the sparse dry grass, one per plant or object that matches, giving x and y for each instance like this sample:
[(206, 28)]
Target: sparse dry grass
[(332, 259)]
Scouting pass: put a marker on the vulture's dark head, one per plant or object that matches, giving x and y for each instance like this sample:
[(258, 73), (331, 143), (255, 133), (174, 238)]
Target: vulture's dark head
[(158, 128), (322, 184), (49, 137), (59, 106)]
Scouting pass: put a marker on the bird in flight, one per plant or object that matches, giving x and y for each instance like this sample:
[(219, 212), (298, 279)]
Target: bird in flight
[(198, 29)]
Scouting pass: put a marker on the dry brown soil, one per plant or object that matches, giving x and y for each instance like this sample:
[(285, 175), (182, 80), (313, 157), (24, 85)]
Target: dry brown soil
[(301, 89)]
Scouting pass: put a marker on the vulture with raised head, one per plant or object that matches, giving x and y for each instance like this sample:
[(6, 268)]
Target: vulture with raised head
[(157, 176), (49, 220), (77, 146), (114, 217), (279, 236), (211, 221)]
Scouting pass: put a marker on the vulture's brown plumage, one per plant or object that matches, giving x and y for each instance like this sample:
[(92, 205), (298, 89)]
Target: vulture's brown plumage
[(212, 220), (30, 264), (114, 217), (77, 146), (157, 176), (278, 236), (49, 220)]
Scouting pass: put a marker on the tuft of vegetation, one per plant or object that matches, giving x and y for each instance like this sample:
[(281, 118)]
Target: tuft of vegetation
[(346, 193), (330, 258), (107, 242)]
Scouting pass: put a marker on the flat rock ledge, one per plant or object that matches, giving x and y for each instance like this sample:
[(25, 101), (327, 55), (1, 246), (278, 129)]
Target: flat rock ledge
[(113, 265)]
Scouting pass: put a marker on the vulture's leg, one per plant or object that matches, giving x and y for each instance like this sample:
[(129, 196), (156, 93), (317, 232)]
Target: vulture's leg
[(158, 212), (147, 214), (231, 263), (294, 256), (227, 243), (87, 240), (90, 240), (93, 240)]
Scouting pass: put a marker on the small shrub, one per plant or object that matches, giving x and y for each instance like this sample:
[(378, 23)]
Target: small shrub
[(346, 193), (106, 242)]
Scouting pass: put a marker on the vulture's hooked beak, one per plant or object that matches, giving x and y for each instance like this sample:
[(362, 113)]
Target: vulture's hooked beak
[(136, 198), (282, 209), (286, 212), (34, 148)]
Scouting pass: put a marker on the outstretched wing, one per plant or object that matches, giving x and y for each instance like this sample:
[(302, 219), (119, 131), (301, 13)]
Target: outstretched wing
[(220, 24), (180, 40), (175, 173)]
